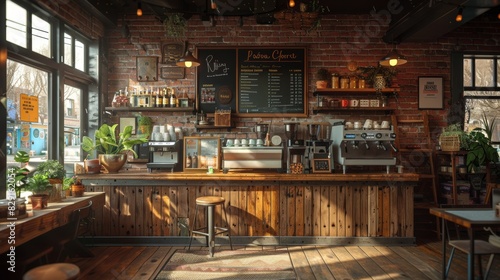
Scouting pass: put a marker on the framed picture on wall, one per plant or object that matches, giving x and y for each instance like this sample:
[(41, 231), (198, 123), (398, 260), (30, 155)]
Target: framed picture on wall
[(126, 122), (147, 68), (430, 93)]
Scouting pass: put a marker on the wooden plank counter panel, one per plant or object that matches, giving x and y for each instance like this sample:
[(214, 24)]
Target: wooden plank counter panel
[(290, 208)]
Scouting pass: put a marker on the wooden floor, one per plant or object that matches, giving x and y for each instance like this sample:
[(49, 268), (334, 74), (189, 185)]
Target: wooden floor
[(310, 262)]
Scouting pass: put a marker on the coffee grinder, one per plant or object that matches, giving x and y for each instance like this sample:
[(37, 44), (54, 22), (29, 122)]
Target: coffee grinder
[(316, 147), (295, 149), (261, 129)]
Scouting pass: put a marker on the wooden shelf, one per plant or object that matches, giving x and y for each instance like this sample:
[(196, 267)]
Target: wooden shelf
[(149, 109), (328, 91), (199, 126), (355, 109)]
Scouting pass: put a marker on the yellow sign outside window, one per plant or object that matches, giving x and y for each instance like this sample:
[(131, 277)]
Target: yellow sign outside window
[(29, 108)]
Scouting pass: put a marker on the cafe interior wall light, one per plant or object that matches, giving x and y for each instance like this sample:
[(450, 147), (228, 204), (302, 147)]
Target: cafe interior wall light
[(188, 60), (213, 5), (393, 58), (459, 16), (291, 3), (139, 9)]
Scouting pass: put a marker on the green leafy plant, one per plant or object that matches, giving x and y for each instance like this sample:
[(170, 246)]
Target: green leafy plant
[(19, 174), (370, 72), (323, 74), (68, 182), (51, 168), (106, 141), (456, 129), (481, 152), (144, 120), (175, 24), (38, 184)]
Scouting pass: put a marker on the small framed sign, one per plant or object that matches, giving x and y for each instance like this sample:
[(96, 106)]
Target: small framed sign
[(321, 165), (430, 93), (172, 72)]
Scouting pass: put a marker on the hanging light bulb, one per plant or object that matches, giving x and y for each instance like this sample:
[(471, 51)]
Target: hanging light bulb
[(188, 60), (498, 16), (139, 9), (393, 58), (459, 16), (213, 5), (291, 3)]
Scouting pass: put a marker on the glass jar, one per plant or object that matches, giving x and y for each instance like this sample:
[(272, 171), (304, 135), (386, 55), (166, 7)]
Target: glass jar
[(344, 82), (353, 82), (361, 83), (335, 80)]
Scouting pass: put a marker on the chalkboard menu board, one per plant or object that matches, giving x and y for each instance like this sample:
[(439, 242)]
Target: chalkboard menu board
[(263, 81)]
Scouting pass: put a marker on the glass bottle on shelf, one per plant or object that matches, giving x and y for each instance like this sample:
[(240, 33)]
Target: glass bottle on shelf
[(159, 99), (116, 100), (173, 100), (166, 97), (188, 161), (194, 160)]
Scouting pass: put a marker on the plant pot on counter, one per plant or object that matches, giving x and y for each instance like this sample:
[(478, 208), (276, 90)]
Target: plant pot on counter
[(92, 166), (112, 163), (77, 190), (39, 201)]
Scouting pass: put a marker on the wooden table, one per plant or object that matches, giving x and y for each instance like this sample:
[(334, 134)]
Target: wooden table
[(42, 221), (472, 220)]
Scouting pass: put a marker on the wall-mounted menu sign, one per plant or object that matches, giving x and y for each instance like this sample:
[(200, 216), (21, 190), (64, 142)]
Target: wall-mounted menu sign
[(261, 81)]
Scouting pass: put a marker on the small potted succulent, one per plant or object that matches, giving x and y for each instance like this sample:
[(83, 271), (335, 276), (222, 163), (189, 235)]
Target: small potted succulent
[(40, 186)]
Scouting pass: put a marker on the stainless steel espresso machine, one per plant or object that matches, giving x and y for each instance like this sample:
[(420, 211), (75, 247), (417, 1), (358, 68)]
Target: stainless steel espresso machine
[(363, 146), (165, 155)]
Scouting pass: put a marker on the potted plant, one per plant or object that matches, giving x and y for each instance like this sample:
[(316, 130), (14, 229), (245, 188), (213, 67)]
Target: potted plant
[(40, 186), (145, 126), (481, 153), (17, 176), (112, 148), (454, 138), (323, 75), (379, 77), (77, 188), (53, 169), (67, 183)]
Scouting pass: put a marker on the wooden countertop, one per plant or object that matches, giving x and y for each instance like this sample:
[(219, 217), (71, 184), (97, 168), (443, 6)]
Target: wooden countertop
[(252, 176)]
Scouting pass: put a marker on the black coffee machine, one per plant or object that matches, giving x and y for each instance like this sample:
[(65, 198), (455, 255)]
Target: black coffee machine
[(295, 149), (165, 155), (317, 147)]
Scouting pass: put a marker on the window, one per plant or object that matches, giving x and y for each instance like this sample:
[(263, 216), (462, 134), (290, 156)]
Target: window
[(40, 36), (68, 49), (16, 24), (72, 124), (482, 92), (69, 107)]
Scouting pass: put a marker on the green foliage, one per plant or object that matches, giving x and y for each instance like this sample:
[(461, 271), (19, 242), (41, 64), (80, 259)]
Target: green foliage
[(456, 129), (481, 152), (106, 142), (370, 72), (323, 74), (175, 24), (68, 182), (19, 173), (145, 120), (21, 157), (39, 183), (53, 169)]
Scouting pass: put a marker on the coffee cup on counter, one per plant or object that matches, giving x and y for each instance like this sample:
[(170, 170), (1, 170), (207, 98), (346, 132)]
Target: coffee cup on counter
[(349, 125), (244, 142), (252, 142), (368, 124), (229, 142), (237, 142), (357, 125), (384, 124), (260, 142)]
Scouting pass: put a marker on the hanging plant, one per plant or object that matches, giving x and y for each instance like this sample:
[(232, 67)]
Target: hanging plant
[(175, 24)]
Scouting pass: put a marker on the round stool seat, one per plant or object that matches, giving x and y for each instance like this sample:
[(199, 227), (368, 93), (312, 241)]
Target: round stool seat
[(209, 200), (55, 271)]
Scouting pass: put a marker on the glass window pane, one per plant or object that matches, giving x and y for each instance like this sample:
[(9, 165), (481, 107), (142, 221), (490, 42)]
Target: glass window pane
[(474, 110), (484, 73), (498, 73), (481, 93), (27, 135), (40, 36), (79, 55), (467, 72), (71, 126), (16, 24), (68, 48)]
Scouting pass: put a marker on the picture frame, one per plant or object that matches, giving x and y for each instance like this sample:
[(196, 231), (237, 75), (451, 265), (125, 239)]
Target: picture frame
[(171, 52), (207, 151), (430, 93), (147, 68), (128, 121), (321, 165)]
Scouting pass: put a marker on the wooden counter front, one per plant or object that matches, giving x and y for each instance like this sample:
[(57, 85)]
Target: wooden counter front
[(259, 204)]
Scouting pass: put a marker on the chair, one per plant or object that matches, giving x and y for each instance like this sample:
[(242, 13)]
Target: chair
[(65, 237), (481, 247), (211, 230)]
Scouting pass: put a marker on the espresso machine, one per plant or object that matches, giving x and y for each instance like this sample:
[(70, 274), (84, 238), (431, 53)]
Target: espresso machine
[(165, 155), (295, 149), (363, 146), (317, 148)]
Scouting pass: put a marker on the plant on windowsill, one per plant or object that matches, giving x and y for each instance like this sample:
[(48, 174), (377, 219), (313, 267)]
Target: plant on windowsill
[(40, 186), (481, 153), (19, 174), (111, 148), (53, 169)]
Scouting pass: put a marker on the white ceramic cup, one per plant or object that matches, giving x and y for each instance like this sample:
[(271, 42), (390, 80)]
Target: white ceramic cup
[(237, 142), (229, 142), (252, 142), (348, 125), (368, 124), (357, 125), (385, 124), (244, 142), (260, 142)]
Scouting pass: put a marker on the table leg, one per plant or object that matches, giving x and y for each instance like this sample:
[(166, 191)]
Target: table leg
[(470, 257), (443, 238)]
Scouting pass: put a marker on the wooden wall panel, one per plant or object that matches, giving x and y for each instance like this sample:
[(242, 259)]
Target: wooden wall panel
[(262, 209)]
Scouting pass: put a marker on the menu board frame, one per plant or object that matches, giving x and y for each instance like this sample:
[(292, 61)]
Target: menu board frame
[(225, 71)]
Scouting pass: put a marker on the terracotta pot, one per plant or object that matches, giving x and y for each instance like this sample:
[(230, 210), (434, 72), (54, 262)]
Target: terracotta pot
[(67, 192), (39, 201), (113, 163), (55, 193), (92, 166), (321, 84), (78, 190)]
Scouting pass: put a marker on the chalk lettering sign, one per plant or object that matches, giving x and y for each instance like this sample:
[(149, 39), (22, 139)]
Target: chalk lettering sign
[(264, 81)]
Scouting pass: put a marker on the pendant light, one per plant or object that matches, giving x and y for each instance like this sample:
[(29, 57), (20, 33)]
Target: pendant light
[(139, 9), (459, 16), (393, 58), (188, 60)]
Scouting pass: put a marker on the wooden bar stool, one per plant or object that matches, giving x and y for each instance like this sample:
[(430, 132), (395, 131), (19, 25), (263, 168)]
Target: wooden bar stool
[(54, 271), (210, 230)]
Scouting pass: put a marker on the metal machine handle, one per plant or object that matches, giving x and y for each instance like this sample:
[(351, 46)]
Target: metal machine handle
[(392, 146)]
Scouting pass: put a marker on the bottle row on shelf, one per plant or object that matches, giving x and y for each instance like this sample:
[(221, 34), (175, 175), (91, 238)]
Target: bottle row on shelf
[(158, 98)]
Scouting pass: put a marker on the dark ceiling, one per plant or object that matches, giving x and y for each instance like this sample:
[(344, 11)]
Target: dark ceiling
[(410, 20)]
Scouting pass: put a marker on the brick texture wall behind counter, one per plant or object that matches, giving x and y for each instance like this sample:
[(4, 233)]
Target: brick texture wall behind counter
[(339, 39)]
